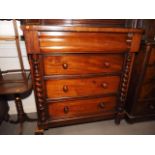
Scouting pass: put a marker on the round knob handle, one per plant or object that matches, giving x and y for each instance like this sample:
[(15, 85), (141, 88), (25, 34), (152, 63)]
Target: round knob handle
[(65, 66), (152, 107), (104, 85), (65, 88), (101, 105), (27, 27), (107, 64), (66, 109)]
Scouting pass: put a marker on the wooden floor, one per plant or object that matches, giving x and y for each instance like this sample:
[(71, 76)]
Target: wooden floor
[(96, 128)]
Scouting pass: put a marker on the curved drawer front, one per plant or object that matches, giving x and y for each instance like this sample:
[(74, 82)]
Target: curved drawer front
[(146, 107), (149, 74), (148, 87), (147, 90), (79, 108), (83, 64), (152, 57), (82, 87), (69, 42)]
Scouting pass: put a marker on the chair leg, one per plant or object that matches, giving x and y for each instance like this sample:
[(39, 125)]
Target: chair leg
[(20, 112), (19, 108), (21, 115), (4, 109)]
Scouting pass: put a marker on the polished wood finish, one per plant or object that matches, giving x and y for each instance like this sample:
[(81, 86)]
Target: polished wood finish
[(148, 87), (80, 71), (145, 108), (69, 42), (152, 58), (142, 102), (39, 86), (141, 99), (89, 63), (148, 25), (78, 108), (82, 87), (124, 86), (56, 28), (120, 38), (80, 22)]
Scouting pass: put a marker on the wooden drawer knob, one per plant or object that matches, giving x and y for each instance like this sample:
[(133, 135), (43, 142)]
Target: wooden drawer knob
[(152, 107), (107, 64), (101, 105), (65, 88), (66, 109), (104, 85), (65, 66)]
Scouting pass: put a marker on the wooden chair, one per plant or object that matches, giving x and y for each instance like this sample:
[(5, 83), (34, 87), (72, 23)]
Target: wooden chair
[(16, 82)]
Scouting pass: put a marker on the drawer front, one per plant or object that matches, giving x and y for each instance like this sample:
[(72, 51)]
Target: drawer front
[(85, 42), (148, 86), (83, 64), (78, 108), (147, 90), (150, 74), (145, 108), (152, 57), (82, 87)]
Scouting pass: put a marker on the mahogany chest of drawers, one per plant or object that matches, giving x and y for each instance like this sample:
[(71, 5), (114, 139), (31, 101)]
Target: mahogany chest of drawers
[(140, 103), (141, 98), (80, 73)]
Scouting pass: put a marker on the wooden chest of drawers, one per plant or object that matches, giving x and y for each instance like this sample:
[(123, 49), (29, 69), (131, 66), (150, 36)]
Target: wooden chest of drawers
[(141, 106), (80, 74)]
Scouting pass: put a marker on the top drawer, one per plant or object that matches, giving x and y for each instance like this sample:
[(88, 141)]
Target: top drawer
[(80, 39), (69, 42)]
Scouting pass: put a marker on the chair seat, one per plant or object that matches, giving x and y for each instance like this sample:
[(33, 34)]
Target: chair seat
[(14, 83)]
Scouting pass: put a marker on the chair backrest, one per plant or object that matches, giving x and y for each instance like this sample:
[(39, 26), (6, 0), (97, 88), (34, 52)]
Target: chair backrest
[(17, 41)]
